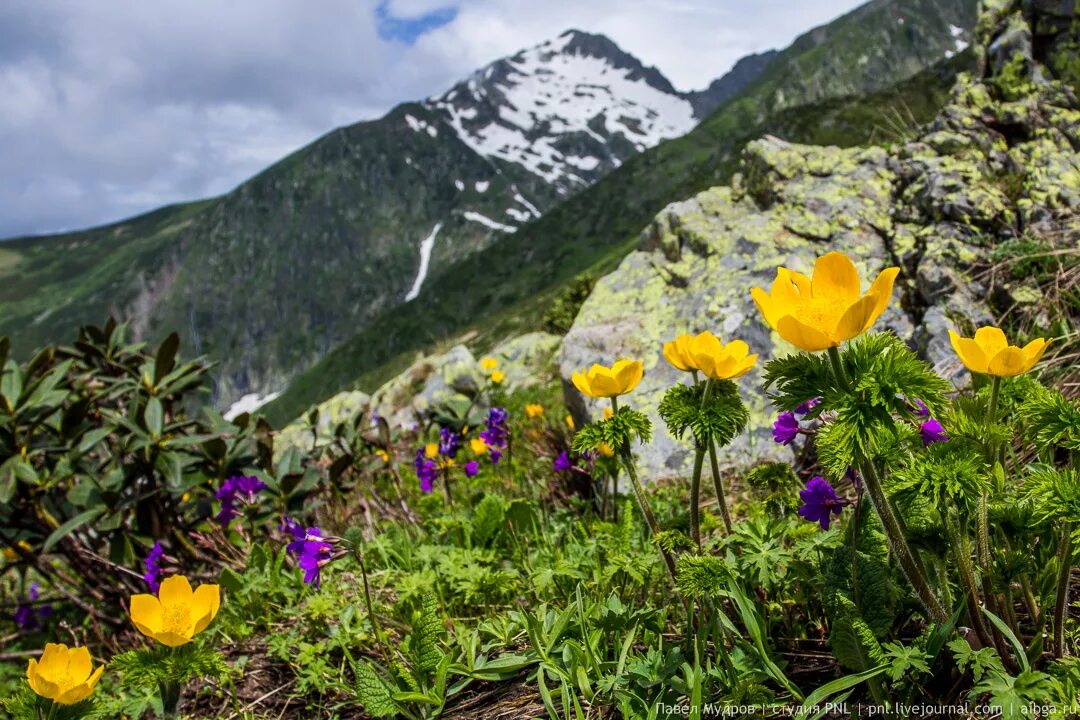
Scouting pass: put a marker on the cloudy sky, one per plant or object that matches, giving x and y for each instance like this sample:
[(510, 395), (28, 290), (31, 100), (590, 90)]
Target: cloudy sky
[(114, 107)]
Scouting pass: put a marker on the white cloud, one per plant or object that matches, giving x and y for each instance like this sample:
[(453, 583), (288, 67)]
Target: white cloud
[(115, 107)]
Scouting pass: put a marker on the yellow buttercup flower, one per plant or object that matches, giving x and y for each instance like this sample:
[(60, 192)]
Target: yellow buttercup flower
[(488, 363), (990, 353), (11, 555), (534, 410), (383, 455), (64, 675), (705, 352), (498, 376), (431, 450), (570, 421), (604, 382), (608, 413), (479, 447), (605, 450), (177, 614), (823, 311)]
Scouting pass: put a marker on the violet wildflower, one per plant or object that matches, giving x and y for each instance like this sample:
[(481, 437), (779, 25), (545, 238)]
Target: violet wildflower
[(918, 407), (472, 468), (497, 432), (495, 454), (26, 617), (449, 442), (426, 471), (310, 550), (808, 406), (819, 500), (242, 488), (153, 567), (562, 462), (932, 432), (785, 428)]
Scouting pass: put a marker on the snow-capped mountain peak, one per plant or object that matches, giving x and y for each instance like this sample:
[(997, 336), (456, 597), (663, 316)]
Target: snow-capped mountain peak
[(568, 110)]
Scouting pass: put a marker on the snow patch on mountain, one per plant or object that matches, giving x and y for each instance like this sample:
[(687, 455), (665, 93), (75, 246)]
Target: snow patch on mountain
[(426, 246), (567, 110), (485, 220), (247, 404)]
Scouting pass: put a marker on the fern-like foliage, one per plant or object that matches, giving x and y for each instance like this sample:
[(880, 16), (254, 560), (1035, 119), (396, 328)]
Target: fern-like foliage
[(1051, 420), (673, 541), (702, 576), (720, 417), (793, 379), (372, 692), (1053, 495), (26, 705), (618, 432), (150, 668), (949, 474)]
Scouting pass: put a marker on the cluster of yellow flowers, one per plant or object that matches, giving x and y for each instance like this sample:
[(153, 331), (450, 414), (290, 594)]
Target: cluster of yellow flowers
[(174, 617), (813, 314), (489, 365)]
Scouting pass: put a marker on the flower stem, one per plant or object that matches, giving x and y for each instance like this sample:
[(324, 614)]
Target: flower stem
[(695, 497), (718, 486), (1061, 606), (890, 521), (967, 576)]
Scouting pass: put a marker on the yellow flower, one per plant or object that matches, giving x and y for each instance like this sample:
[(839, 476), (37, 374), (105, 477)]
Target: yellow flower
[(431, 450), (11, 555), (488, 363), (177, 614), (185, 497), (64, 675), (498, 376), (570, 421), (383, 455), (534, 410), (447, 463), (479, 447), (990, 353), (822, 312), (705, 352), (608, 413), (605, 450), (603, 382)]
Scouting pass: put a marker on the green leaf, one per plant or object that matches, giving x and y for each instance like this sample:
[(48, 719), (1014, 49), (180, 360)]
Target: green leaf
[(373, 693), (165, 360), (61, 532), (427, 630), (829, 689), (154, 416)]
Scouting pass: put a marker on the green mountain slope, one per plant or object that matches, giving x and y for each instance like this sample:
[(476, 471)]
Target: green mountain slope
[(508, 287)]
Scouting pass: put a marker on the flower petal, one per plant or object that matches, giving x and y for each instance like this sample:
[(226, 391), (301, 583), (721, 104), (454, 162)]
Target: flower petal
[(836, 278), (147, 614), (79, 663), (1008, 362), (1034, 350), (172, 639), (175, 590), (969, 352), (673, 354), (581, 383), (802, 335), (883, 288), (744, 366), (204, 606), (602, 381), (628, 374), (855, 319), (769, 310), (991, 340)]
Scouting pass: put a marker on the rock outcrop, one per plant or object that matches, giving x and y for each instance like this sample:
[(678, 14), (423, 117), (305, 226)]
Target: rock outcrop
[(1000, 162)]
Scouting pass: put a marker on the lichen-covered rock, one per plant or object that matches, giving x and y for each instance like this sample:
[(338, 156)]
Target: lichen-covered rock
[(302, 435), (528, 360), (1001, 159)]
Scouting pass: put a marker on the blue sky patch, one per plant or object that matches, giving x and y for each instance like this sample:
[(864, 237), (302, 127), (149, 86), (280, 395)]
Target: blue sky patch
[(407, 30)]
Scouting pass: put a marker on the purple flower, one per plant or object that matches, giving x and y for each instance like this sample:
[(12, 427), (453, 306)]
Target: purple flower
[(932, 432), (449, 442), (785, 428), (309, 549), (426, 471), (26, 617), (853, 476), (819, 499), (495, 454), (807, 406), (497, 432), (153, 567), (472, 468), (242, 488), (562, 462), (918, 407)]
